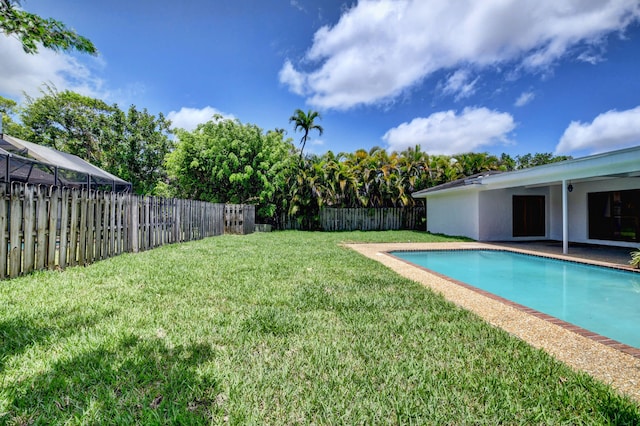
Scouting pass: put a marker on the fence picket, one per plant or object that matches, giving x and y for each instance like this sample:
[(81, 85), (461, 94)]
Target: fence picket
[(91, 231), (64, 223), (42, 221), (15, 237), (104, 238), (119, 231), (112, 223), (53, 227), (73, 228), (28, 229), (4, 240), (83, 227)]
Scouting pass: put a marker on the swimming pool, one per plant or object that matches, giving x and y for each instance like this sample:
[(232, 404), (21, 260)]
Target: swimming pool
[(602, 300)]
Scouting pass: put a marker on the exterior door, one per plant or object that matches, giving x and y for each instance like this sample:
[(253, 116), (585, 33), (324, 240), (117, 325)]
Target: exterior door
[(528, 216)]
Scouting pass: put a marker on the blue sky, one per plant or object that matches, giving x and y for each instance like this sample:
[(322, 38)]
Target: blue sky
[(514, 76)]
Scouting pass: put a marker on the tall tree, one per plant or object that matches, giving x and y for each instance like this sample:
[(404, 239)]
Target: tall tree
[(470, 163), (538, 159), (414, 165), (32, 30), (137, 151), (69, 122), (226, 161), (507, 163), (131, 145), (8, 109), (306, 123), (306, 194), (341, 182)]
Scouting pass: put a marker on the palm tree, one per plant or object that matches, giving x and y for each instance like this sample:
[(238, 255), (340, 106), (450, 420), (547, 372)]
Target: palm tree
[(306, 123), (414, 165)]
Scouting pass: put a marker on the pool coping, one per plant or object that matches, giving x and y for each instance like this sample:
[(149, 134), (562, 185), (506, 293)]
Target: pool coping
[(612, 362)]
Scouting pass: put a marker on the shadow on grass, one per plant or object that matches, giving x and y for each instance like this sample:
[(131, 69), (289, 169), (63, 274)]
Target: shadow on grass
[(19, 334), (133, 381)]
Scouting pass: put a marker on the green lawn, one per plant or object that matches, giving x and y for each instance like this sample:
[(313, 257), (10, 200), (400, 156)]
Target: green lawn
[(273, 328)]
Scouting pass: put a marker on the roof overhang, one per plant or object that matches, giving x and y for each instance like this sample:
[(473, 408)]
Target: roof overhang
[(614, 164)]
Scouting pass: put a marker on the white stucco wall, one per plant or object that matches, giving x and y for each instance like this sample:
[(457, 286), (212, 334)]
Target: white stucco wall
[(496, 213), (554, 208), (495, 210), (453, 213)]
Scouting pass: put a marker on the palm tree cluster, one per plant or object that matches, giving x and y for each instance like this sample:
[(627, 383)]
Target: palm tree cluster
[(377, 178)]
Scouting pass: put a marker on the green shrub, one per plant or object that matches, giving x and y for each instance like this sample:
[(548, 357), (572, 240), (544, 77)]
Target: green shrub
[(635, 259)]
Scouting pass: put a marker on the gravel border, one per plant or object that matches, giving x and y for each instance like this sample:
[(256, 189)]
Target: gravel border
[(601, 359)]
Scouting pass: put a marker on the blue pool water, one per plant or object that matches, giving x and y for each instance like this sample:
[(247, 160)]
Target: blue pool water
[(603, 300)]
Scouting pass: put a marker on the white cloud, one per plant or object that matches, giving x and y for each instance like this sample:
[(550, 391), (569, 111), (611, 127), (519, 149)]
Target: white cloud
[(189, 118), (296, 80), (608, 131), (459, 85), (23, 73), (592, 56), (296, 4), (380, 48), (447, 132), (524, 98)]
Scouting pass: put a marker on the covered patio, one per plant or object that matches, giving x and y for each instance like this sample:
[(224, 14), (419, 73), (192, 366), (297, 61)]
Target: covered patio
[(589, 200)]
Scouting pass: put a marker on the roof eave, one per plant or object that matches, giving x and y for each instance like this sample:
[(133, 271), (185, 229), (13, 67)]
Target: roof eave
[(611, 163)]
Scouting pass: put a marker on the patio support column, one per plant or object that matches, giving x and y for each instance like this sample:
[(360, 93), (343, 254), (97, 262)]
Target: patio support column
[(565, 218)]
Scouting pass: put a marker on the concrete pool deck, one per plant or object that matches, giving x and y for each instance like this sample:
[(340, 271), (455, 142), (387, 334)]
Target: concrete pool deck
[(612, 363)]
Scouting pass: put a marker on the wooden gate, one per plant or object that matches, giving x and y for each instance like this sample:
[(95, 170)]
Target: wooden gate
[(239, 218)]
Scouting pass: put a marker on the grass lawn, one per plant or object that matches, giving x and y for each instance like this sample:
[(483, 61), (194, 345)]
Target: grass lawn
[(272, 328)]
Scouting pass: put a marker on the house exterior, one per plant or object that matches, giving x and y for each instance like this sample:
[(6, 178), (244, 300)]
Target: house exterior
[(594, 199)]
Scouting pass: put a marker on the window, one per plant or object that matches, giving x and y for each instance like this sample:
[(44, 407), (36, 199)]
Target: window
[(528, 216), (614, 215)]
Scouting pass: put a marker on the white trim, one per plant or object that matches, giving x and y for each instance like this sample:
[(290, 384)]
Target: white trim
[(565, 218)]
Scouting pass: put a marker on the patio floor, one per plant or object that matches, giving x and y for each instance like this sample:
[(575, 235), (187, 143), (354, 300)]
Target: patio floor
[(619, 256)]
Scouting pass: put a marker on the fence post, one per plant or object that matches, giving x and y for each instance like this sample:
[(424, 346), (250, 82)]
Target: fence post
[(28, 229), (64, 235), (3, 230), (42, 221), (73, 228), (134, 224), (14, 236), (54, 195)]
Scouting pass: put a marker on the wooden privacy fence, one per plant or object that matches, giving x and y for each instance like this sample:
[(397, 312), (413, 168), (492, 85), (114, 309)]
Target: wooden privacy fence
[(49, 227), (364, 219), (239, 218), (370, 219)]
